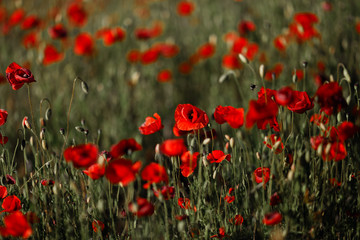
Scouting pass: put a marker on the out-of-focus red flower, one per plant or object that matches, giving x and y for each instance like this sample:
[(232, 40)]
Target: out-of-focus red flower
[(97, 225), (122, 171), (281, 42), (57, 31), (331, 148), (30, 40), (274, 143), (262, 173), (299, 74), (142, 208), (319, 119), (84, 45), (275, 199), (29, 22), (262, 112), (16, 225), (95, 171), (154, 173), (189, 117), (125, 146), (326, 6), (82, 156), (76, 14), (217, 156), (47, 182), (149, 56), (242, 46), (151, 125), (3, 192), (188, 163), (173, 147), (284, 96), (16, 17), (276, 71), (147, 33), (166, 50), (185, 203), (181, 217), (221, 234), (346, 130), (111, 36), (230, 198), (166, 191), (272, 218), (11, 203), (302, 28), (245, 27), (237, 220), (357, 27), (17, 76), (335, 182), (207, 50), (133, 56), (51, 55), (185, 68), (233, 116), (185, 8), (10, 179), (3, 116), (3, 139), (330, 98), (164, 75), (300, 102), (231, 61)]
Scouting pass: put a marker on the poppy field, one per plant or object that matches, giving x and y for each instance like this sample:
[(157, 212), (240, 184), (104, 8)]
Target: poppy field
[(181, 119)]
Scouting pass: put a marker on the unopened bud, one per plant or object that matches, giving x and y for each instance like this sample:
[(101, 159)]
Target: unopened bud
[(157, 149), (31, 140), (42, 134), (86, 132), (84, 87), (258, 156), (276, 145), (294, 77), (327, 148), (62, 131), (346, 75), (227, 137), (332, 78), (243, 59), (42, 122), (44, 144), (206, 141), (48, 114), (262, 70), (79, 129), (26, 123), (305, 63), (319, 150), (232, 142)]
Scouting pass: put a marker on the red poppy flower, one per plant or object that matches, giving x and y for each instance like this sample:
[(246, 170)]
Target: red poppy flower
[(335, 182), (82, 156), (274, 142), (3, 139), (122, 171), (262, 113), (16, 225), (149, 56), (133, 56), (275, 71), (188, 163), (164, 76), (302, 27), (319, 119), (3, 192), (16, 17), (110, 36), (29, 22), (261, 174), (245, 27), (272, 218), (300, 102), (51, 55), (84, 44), (184, 203), (185, 68), (173, 147), (185, 8), (181, 217), (30, 40), (11, 203), (10, 179), (281, 42), (346, 130), (233, 116), (151, 125), (95, 171), (77, 14), (217, 156), (231, 61), (189, 117), (125, 146), (237, 220), (147, 33), (154, 173), (330, 98), (46, 182), (166, 50), (17, 76), (331, 148), (3, 116), (166, 191), (178, 133), (230, 198), (142, 207), (275, 199), (243, 46), (97, 225), (284, 96), (206, 51), (57, 31), (221, 234)]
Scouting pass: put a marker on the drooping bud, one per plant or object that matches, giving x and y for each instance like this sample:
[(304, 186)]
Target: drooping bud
[(84, 87), (243, 59), (26, 123), (48, 114)]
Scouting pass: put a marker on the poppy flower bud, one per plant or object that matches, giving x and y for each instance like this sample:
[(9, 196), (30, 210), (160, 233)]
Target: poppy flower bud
[(346, 75), (206, 141), (305, 63), (84, 87), (227, 137), (48, 114), (262, 70), (42, 134), (44, 144), (62, 131), (31, 141), (243, 59), (294, 77), (258, 156), (42, 122), (79, 129), (26, 123), (232, 142)]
